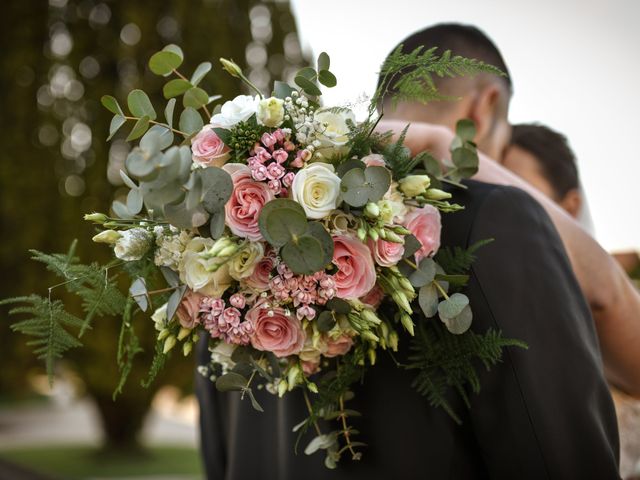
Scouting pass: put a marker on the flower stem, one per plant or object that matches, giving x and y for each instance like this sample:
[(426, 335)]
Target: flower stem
[(310, 410)]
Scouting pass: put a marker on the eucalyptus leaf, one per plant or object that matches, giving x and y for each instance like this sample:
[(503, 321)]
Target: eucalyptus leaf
[(411, 246), (466, 129), (126, 180), (428, 300), (281, 225), (254, 402), (157, 138), (231, 381), (171, 277), (138, 290), (320, 233), (326, 78), (174, 301), (466, 161), (324, 62), (325, 321), (139, 128), (354, 189), (349, 164), (168, 111), (282, 90), (339, 305), (223, 134), (379, 180), (190, 121), (174, 49), (116, 122), (461, 322), (140, 105), (424, 274), (164, 62), (217, 188), (307, 72), (111, 104), (200, 72), (195, 97), (307, 86), (452, 306), (320, 442), (175, 87), (182, 217), (304, 256), (134, 201), (216, 223)]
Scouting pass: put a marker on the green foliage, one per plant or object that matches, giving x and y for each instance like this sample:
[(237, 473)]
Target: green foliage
[(398, 157), (410, 76), (48, 322), (362, 185), (447, 362), (243, 138), (458, 260), (128, 347)]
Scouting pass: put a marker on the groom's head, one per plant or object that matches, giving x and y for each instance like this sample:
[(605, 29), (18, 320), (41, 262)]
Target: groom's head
[(484, 98)]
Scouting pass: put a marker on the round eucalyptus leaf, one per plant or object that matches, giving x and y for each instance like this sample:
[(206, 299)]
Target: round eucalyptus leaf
[(461, 322), (182, 217), (466, 129), (339, 305), (168, 111), (157, 195), (317, 230), (121, 210), (195, 98), (325, 321), (217, 187), (284, 204), (327, 78), (304, 256), (379, 180), (138, 164), (175, 87), (111, 104), (174, 49), (424, 274), (281, 225), (116, 122), (194, 193), (200, 72), (309, 87), (140, 105), (324, 62), (162, 138), (165, 62), (466, 161), (453, 306), (190, 121), (134, 201), (138, 129), (231, 381), (428, 300), (216, 224), (354, 189), (348, 165)]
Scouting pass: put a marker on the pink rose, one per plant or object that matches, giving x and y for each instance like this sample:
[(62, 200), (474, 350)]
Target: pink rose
[(274, 331), (424, 224), (208, 149), (338, 346), (309, 367), (356, 273), (248, 197), (259, 279), (373, 297), (189, 309), (386, 254), (374, 160)]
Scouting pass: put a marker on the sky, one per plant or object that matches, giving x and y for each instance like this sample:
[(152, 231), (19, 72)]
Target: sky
[(575, 66)]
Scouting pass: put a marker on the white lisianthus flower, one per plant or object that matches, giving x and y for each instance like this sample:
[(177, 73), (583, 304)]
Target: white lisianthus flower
[(270, 112), (244, 263), (316, 188), (392, 207), (221, 354), (132, 244), (333, 136), (235, 111), (159, 317), (204, 275), (414, 185)]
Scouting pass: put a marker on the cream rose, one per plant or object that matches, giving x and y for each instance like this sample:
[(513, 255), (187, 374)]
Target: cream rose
[(335, 130), (199, 273), (270, 112), (245, 261), (316, 188), (235, 111)]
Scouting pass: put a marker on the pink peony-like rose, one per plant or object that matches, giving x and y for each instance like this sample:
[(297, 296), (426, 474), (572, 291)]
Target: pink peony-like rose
[(424, 224), (338, 346), (248, 197), (208, 149), (275, 331), (189, 309), (373, 297), (259, 279), (386, 254), (356, 273)]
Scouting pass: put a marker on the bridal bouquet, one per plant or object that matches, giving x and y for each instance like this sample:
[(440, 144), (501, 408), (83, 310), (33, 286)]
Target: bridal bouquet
[(298, 241)]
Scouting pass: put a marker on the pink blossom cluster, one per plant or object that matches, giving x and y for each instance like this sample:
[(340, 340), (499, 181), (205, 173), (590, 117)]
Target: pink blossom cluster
[(267, 161), (302, 290), (222, 321)]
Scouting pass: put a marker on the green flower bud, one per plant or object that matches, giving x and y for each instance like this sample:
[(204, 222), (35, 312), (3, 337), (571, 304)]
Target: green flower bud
[(293, 376), (228, 250), (400, 230), (392, 237), (169, 343), (393, 341), (436, 194), (110, 237), (414, 185), (282, 388), (372, 210), (231, 67), (372, 356), (96, 217), (383, 233), (369, 335), (406, 284), (370, 317), (183, 333), (186, 348), (163, 334), (362, 234), (373, 233), (407, 323), (312, 387), (217, 247), (401, 300)]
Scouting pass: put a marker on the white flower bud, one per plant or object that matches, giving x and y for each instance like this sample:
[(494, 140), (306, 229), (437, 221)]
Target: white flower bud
[(414, 185), (109, 237), (436, 194)]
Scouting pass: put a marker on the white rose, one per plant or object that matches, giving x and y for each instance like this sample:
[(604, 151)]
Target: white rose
[(244, 263), (198, 273), (132, 244), (335, 130), (270, 112), (235, 111), (316, 188)]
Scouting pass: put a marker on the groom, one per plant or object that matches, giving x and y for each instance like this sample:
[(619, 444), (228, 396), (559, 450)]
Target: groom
[(542, 413)]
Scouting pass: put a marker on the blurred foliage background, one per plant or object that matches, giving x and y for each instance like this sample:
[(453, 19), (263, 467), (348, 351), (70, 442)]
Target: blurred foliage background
[(58, 59)]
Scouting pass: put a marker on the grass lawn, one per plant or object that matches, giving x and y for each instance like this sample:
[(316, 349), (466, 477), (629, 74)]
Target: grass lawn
[(77, 462)]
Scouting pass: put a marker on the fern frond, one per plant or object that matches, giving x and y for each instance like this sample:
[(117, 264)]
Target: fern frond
[(458, 260), (398, 157), (445, 361), (128, 347), (48, 324)]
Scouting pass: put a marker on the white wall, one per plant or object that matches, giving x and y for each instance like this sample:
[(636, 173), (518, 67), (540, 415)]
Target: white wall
[(575, 66)]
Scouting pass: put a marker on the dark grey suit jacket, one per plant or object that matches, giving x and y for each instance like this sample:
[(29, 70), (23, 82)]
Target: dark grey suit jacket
[(543, 413)]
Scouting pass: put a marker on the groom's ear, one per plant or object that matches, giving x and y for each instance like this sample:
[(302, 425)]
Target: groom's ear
[(485, 109)]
